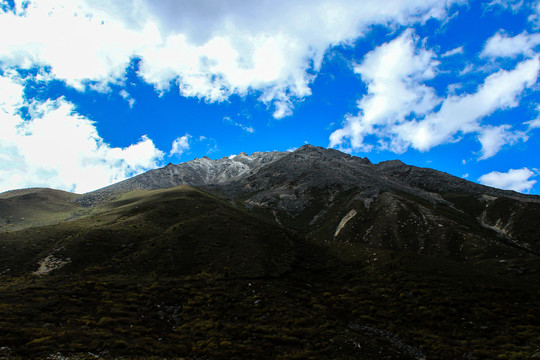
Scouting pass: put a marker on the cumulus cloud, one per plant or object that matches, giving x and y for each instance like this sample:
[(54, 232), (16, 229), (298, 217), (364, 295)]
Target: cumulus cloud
[(180, 145), (514, 179), (503, 45), (78, 44), (56, 147), (402, 112), (208, 49), (393, 73)]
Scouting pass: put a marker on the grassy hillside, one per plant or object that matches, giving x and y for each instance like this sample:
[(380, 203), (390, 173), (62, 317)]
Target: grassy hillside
[(21, 209), (179, 273), (174, 231)]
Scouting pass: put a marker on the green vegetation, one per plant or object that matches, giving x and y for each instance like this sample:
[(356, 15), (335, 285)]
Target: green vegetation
[(23, 209), (306, 313), (179, 273)]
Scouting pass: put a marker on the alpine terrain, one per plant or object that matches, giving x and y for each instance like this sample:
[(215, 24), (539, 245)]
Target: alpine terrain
[(310, 254)]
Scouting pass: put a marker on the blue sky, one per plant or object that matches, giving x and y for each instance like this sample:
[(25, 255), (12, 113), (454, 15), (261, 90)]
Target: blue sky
[(95, 91)]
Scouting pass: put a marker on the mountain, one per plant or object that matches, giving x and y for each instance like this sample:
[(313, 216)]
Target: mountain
[(329, 195), (295, 255)]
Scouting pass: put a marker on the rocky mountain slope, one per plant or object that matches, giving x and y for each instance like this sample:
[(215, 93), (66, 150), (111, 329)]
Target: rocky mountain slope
[(310, 166), (330, 195), (198, 172), (311, 254)]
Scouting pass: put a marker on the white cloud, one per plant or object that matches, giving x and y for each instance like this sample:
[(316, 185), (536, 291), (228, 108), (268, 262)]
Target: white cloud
[(180, 145), (401, 111), (514, 179), (58, 148), (126, 96), (458, 50), (283, 108), (249, 129), (11, 94), (534, 18), (493, 138), (461, 114), (535, 123), (393, 73), (502, 45), (210, 48), (95, 48), (467, 69), (513, 5)]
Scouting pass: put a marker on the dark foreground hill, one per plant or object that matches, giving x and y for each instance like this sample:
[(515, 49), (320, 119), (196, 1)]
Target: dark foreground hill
[(309, 254)]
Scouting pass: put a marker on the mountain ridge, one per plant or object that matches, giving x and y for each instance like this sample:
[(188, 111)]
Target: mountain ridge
[(326, 194), (206, 172)]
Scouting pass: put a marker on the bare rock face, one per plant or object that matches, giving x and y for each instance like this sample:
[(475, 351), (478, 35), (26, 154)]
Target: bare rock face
[(198, 172)]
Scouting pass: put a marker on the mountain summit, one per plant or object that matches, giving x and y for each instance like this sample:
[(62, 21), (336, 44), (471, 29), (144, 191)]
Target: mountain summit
[(305, 254)]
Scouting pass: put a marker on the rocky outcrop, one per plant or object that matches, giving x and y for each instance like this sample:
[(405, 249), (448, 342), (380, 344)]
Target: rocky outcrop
[(198, 172)]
